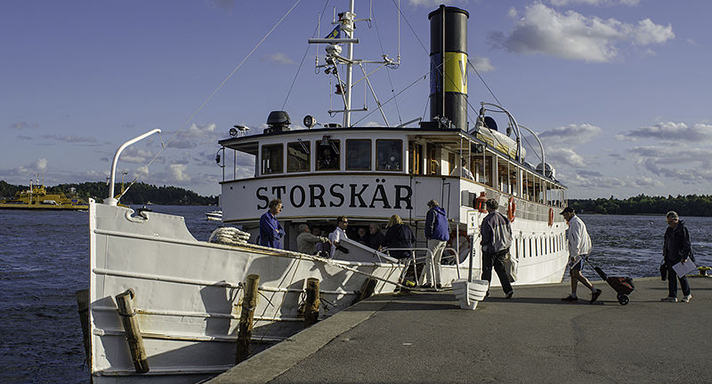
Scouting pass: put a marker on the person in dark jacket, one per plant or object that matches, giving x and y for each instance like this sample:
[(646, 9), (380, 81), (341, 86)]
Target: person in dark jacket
[(437, 233), (375, 238), (271, 231), (399, 235), (496, 235), (676, 249)]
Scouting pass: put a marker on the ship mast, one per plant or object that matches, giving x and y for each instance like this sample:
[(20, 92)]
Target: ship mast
[(346, 25), (348, 28)]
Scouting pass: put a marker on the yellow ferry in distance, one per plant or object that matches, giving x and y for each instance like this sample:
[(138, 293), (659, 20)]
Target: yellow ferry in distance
[(38, 198)]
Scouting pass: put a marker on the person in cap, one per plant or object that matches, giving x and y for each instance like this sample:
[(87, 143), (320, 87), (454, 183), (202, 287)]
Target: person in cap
[(437, 233), (496, 233), (579, 248)]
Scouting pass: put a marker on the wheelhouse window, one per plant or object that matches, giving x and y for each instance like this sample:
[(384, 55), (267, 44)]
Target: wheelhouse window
[(358, 154), (298, 156), (390, 155), (272, 159), (328, 155)]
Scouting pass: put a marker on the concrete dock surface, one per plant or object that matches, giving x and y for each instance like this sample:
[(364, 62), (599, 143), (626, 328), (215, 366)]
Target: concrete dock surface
[(532, 338)]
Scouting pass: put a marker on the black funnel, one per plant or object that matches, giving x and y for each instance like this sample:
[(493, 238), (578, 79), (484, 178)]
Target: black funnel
[(448, 66)]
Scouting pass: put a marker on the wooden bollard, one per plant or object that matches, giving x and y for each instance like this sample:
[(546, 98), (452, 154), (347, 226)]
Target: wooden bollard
[(249, 303), (311, 310), (83, 310), (124, 302)]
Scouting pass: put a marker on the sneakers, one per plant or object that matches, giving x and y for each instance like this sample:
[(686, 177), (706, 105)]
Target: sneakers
[(570, 298), (509, 294), (594, 295), (687, 298), (670, 299)]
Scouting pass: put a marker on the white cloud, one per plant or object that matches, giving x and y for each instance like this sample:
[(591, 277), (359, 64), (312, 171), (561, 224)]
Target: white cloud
[(40, 165), (195, 130), (670, 131), (596, 181), (571, 35), (680, 162), (279, 58), (177, 172), (71, 139), (482, 64), (565, 156), (644, 182), (571, 134), (136, 155), (193, 136), (24, 125), (647, 33)]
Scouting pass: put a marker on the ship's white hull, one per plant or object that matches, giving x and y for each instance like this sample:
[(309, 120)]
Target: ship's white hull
[(188, 293)]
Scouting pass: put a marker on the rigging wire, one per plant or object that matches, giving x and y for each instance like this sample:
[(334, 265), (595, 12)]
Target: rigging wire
[(531, 147), (388, 72), (200, 108), (410, 26), (483, 81), (393, 97), (306, 51)]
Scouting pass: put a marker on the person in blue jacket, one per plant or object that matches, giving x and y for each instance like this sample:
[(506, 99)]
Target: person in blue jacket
[(437, 233), (271, 232)]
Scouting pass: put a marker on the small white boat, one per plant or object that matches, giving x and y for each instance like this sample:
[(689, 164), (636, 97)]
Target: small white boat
[(214, 215)]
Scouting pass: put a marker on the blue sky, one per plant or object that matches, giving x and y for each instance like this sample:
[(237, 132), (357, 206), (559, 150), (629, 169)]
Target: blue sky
[(619, 90)]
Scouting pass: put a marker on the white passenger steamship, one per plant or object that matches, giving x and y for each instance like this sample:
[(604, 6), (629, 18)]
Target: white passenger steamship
[(187, 294)]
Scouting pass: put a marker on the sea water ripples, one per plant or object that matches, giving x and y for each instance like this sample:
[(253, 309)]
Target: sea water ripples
[(44, 261)]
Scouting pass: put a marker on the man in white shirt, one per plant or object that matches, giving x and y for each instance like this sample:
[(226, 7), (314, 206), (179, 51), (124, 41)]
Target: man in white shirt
[(579, 248), (339, 233)]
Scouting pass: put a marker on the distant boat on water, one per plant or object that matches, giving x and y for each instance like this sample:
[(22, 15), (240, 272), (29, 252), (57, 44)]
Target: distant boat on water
[(214, 215), (37, 198)]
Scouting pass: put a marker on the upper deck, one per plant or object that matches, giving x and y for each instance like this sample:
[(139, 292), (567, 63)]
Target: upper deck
[(372, 173)]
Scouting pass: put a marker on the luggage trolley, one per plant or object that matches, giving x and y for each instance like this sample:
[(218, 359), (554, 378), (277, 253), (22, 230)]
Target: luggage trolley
[(622, 285)]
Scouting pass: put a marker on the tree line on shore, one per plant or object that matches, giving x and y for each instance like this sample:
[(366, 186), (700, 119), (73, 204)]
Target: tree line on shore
[(139, 193), (142, 193), (690, 205)]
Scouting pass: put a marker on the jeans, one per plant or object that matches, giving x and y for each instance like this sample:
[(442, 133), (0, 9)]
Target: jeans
[(496, 260), (672, 283)]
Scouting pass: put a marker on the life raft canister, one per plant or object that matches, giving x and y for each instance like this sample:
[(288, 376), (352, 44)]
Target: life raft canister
[(511, 209), (551, 216), (480, 202)]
